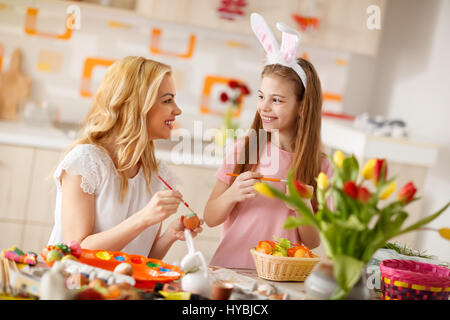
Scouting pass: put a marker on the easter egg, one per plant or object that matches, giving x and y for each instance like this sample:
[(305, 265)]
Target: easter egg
[(97, 283), (75, 248), (301, 253), (124, 268), (191, 221), (54, 255), (45, 251), (64, 248), (89, 294), (69, 257)]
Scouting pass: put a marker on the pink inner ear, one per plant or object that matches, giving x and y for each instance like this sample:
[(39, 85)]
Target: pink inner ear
[(288, 45), (265, 40)]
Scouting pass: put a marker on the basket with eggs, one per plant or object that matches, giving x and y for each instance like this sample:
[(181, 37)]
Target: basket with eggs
[(280, 260)]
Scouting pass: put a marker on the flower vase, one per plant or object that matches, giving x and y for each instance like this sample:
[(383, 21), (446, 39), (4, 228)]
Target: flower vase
[(320, 284)]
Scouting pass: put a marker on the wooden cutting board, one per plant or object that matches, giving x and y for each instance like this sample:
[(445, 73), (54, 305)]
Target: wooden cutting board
[(14, 88)]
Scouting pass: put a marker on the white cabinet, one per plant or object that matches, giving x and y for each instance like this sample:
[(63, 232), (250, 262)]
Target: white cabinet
[(15, 172), (27, 196), (41, 201)]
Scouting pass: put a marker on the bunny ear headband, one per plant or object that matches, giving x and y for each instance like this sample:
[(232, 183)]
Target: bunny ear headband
[(286, 55)]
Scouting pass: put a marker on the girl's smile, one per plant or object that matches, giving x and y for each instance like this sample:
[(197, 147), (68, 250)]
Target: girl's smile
[(268, 119)]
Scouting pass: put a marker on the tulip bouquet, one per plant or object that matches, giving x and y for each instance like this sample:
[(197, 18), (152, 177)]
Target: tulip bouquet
[(355, 224)]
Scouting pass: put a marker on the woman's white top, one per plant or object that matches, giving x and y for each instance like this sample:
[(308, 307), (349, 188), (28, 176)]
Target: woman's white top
[(100, 177)]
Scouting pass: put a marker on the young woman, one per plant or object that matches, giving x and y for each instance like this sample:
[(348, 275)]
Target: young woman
[(108, 192)]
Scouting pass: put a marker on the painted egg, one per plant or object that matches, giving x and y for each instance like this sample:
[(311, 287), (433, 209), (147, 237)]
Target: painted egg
[(191, 221), (64, 248), (75, 248), (124, 268), (69, 257), (96, 283), (54, 255)]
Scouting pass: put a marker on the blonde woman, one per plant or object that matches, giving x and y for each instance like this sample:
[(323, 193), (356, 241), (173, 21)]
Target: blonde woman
[(108, 193)]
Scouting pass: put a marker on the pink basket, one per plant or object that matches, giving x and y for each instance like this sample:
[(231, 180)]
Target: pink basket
[(412, 280)]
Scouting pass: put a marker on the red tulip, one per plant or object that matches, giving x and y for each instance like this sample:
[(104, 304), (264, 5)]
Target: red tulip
[(224, 97), (377, 169), (363, 195), (407, 192), (244, 90), (351, 189), (303, 190), (233, 84)]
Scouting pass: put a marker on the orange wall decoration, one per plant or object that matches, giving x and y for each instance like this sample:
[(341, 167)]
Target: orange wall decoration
[(31, 22), (155, 45), (89, 65), (208, 84)]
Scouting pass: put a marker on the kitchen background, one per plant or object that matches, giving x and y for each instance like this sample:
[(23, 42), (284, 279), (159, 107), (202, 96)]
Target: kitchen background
[(399, 71)]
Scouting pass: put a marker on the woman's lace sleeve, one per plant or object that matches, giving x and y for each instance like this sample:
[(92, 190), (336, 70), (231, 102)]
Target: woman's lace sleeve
[(81, 160)]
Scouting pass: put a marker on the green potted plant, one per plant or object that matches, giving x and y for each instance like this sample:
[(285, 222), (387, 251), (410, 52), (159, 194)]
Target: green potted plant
[(357, 224)]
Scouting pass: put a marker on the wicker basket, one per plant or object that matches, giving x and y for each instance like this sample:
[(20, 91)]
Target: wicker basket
[(412, 280), (279, 268)]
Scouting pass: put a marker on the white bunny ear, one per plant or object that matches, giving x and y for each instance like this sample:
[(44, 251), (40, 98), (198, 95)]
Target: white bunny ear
[(264, 35), (189, 241), (290, 41)]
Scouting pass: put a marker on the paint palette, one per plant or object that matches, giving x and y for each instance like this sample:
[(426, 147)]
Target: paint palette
[(146, 271)]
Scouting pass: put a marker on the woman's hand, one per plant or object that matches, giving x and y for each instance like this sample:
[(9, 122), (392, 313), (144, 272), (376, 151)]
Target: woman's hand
[(242, 187), (176, 229), (162, 205)]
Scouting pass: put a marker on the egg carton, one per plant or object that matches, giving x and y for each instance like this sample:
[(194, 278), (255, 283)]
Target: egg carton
[(75, 267)]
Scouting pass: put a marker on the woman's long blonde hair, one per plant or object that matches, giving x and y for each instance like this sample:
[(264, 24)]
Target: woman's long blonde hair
[(119, 115), (307, 144)]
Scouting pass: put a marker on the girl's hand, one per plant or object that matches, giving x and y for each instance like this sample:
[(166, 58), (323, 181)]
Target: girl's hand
[(242, 187), (176, 229), (162, 205)]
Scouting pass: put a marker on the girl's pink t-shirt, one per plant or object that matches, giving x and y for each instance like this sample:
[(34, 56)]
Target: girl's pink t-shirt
[(259, 218)]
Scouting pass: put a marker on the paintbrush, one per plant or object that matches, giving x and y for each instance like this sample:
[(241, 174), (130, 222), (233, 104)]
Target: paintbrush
[(167, 185), (263, 178)]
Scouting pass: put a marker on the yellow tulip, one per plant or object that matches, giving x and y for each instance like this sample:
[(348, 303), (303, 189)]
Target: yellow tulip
[(445, 233), (367, 170), (263, 189), (338, 158), (388, 190), (322, 181)]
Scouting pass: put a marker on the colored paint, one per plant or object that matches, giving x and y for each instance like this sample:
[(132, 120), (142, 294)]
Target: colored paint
[(136, 260), (103, 255), (152, 265), (119, 258), (164, 270)]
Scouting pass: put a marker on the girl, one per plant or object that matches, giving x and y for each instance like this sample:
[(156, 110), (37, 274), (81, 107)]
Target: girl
[(108, 192), (289, 110)]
